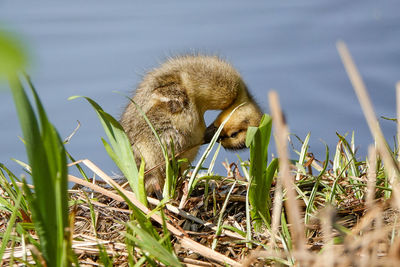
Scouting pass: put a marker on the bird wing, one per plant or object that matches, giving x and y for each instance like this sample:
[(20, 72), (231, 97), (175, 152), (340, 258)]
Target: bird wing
[(171, 97)]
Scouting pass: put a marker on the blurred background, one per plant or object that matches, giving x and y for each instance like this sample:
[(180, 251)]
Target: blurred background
[(93, 48)]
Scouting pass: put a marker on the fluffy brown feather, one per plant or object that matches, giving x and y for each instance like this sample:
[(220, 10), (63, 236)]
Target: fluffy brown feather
[(175, 97)]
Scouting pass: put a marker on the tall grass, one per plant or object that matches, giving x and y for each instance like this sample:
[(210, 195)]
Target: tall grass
[(339, 212), (47, 159), (12, 54)]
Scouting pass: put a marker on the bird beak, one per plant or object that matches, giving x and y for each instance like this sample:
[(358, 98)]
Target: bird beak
[(210, 131)]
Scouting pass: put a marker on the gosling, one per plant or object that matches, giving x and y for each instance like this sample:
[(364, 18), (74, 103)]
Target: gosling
[(174, 98)]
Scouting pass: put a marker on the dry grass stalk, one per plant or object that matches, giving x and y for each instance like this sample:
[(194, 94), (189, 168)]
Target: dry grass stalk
[(184, 240), (186, 215), (152, 201), (398, 116), (369, 242), (371, 177), (192, 262), (366, 105), (254, 255), (276, 210), (292, 205), (328, 256)]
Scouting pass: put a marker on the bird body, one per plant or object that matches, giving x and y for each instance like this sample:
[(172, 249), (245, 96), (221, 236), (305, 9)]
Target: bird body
[(175, 97)]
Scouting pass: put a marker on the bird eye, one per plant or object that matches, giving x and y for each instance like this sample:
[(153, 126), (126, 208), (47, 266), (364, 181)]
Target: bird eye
[(234, 134)]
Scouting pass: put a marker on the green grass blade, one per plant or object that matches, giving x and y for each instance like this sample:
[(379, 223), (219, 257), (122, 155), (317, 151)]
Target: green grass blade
[(163, 147), (152, 246), (171, 166), (350, 157), (348, 149), (248, 216), (104, 258), (302, 157), (12, 191), (335, 184), (260, 182), (119, 149), (336, 160), (78, 167), (141, 218), (12, 54), (213, 160), (47, 158), (221, 216), (10, 226), (207, 152), (310, 205), (57, 164), (285, 236), (167, 244)]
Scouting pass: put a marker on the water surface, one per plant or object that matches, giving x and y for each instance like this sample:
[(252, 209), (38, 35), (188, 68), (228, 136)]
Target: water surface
[(93, 48)]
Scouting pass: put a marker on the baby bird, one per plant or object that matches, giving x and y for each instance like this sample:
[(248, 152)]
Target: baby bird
[(175, 97), (233, 135)]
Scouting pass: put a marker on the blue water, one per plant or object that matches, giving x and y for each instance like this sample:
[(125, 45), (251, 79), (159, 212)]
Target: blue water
[(93, 48)]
